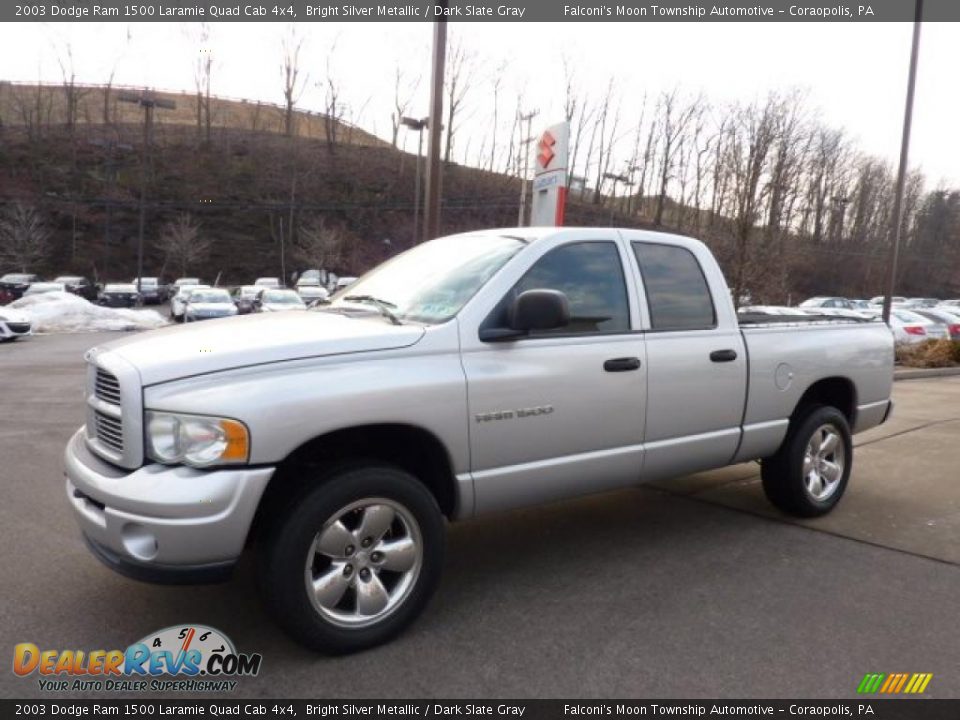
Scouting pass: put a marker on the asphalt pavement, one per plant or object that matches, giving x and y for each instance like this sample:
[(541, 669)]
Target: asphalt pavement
[(692, 588)]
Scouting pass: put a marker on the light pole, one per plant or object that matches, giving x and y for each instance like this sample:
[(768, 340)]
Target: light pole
[(148, 102), (902, 170), (431, 225), (418, 125), (526, 158)]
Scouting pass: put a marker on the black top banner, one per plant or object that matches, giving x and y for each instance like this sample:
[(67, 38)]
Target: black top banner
[(866, 707), (475, 11)]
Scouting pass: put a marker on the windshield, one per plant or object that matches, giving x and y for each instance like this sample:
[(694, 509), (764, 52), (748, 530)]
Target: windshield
[(431, 282), (282, 298), (14, 278), (68, 279), (210, 296), (120, 288), (187, 281)]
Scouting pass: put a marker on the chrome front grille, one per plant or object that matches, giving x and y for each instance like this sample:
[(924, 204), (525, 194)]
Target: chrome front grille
[(114, 410), (107, 387), (109, 430)]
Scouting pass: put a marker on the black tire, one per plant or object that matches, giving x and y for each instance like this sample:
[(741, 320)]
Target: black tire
[(288, 542), (784, 481)]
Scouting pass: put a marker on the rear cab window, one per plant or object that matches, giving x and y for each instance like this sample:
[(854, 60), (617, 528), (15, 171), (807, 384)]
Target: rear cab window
[(678, 295)]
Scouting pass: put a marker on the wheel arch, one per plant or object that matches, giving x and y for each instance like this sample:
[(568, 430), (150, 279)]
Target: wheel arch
[(835, 391), (409, 447)]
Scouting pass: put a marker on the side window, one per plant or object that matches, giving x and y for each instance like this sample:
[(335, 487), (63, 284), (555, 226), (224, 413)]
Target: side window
[(676, 288), (590, 274)]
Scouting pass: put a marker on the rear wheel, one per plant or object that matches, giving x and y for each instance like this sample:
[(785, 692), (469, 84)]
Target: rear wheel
[(355, 560), (809, 473)]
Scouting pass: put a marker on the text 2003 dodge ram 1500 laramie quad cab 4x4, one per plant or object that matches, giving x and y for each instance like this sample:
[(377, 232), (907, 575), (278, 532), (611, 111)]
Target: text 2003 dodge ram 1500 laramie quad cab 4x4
[(473, 373)]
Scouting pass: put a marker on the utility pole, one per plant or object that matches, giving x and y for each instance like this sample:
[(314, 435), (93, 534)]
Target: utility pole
[(434, 178), (418, 125), (525, 143), (902, 170), (148, 102)]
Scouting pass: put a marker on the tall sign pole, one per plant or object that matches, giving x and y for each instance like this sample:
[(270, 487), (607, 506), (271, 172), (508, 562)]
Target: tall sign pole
[(431, 220), (550, 177), (902, 170)]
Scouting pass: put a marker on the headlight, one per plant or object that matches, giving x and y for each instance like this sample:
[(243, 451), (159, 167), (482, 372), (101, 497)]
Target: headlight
[(196, 440)]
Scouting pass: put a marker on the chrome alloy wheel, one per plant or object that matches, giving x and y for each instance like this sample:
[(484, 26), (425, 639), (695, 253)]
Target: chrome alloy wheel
[(364, 562), (823, 462)]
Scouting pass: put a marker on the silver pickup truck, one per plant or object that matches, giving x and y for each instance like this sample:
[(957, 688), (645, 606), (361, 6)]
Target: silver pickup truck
[(472, 374)]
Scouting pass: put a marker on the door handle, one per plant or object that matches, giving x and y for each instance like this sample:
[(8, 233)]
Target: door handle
[(622, 364), (723, 355)]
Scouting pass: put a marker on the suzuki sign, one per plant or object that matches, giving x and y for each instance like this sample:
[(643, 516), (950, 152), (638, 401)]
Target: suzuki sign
[(550, 176)]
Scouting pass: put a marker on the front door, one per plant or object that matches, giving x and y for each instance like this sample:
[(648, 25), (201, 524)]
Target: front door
[(560, 413)]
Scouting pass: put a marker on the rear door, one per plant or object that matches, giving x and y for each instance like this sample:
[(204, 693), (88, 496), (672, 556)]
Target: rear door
[(559, 413), (696, 359)]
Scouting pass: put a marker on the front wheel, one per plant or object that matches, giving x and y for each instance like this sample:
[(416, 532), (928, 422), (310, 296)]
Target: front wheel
[(809, 473), (355, 560)]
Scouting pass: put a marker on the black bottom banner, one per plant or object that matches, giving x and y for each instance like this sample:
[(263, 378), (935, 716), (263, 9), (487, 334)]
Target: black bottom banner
[(527, 709)]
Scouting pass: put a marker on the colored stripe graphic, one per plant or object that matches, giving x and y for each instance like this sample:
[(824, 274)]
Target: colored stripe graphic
[(870, 683), (894, 683)]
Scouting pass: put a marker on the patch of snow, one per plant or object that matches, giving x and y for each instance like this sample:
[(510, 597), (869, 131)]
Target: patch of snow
[(63, 312)]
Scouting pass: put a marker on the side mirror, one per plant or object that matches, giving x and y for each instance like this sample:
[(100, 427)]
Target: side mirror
[(531, 310)]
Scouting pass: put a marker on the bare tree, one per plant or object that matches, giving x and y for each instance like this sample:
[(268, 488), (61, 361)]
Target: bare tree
[(72, 93), (24, 237), (320, 245), (182, 244), (608, 132), (751, 137), (202, 76), (403, 92), (674, 118), (333, 103), (458, 76), (293, 83)]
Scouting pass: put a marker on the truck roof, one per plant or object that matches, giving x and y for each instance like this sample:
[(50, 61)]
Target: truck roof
[(532, 234)]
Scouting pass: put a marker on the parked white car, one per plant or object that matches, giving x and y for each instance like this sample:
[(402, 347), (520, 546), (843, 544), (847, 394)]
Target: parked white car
[(910, 328), (14, 324), (39, 288), (278, 300), (313, 293), (178, 302), (208, 303), (771, 310), (838, 306)]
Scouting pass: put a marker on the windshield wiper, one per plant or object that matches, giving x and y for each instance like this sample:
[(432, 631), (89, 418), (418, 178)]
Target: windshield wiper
[(382, 305)]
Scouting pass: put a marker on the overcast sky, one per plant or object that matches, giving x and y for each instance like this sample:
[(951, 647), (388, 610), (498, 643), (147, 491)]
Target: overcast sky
[(854, 73)]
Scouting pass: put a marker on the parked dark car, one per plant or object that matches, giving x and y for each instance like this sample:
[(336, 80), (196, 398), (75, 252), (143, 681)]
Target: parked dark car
[(244, 297), (78, 285), (119, 295), (152, 291), (13, 285)]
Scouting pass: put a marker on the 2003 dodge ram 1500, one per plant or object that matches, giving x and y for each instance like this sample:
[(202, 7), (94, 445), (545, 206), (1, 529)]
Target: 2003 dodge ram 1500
[(473, 373)]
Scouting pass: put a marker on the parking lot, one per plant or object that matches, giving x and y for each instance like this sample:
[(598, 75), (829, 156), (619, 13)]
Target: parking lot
[(691, 588)]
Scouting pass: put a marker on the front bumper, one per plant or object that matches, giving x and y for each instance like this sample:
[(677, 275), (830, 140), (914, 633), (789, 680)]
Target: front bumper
[(15, 329), (162, 523)]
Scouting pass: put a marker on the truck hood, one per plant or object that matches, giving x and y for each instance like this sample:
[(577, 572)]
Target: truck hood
[(215, 345)]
